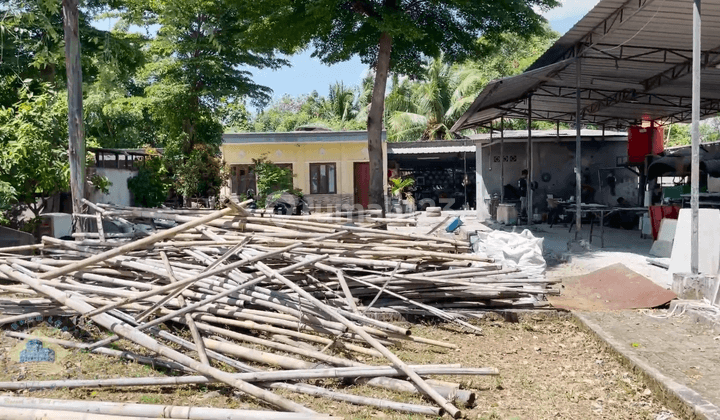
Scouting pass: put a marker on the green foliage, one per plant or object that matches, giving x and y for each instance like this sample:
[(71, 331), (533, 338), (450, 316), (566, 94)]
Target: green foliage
[(33, 147), (201, 174), (100, 183), (151, 185), (427, 108), (419, 28), (336, 112), (398, 185), (7, 199), (271, 180), (678, 135)]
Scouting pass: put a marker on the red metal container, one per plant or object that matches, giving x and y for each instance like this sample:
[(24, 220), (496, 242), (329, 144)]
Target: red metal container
[(657, 213), (644, 141)]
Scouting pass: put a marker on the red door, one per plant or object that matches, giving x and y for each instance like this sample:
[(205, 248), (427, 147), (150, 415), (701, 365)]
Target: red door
[(362, 183)]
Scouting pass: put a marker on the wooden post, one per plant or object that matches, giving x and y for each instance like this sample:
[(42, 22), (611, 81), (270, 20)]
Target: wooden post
[(76, 131)]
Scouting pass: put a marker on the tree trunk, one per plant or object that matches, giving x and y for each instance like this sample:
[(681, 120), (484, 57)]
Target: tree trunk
[(375, 123), (76, 131)]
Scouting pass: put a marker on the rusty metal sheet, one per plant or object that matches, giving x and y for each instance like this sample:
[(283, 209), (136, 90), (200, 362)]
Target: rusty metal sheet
[(611, 288)]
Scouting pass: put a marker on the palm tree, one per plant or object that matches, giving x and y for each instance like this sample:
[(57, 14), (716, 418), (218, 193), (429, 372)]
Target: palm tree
[(426, 117), (340, 103), (444, 93)]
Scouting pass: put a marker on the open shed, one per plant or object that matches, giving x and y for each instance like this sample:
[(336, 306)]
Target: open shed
[(625, 62)]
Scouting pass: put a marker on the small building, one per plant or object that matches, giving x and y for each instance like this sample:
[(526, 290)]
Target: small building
[(444, 171), (331, 168), (117, 165), (605, 177)]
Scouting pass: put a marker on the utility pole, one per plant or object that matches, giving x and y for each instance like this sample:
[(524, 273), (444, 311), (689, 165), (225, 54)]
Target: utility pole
[(76, 131)]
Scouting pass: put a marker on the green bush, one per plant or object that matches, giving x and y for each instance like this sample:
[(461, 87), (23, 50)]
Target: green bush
[(272, 180), (150, 186)]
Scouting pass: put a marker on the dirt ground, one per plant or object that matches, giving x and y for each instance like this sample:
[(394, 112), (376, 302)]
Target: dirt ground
[(549, 369)]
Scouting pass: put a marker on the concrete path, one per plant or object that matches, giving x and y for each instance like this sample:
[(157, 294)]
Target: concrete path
[(679, 358)]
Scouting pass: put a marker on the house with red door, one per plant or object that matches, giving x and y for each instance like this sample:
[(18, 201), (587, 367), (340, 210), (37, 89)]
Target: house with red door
[(331, 168)]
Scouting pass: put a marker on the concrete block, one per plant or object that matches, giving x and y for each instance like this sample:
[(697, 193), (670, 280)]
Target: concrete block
[(709, 248), (662, 247), (507, 214), (12, 237), (695, 286), (578, 246)]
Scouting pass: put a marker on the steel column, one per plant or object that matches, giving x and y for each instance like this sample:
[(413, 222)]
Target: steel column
[(502, 159), (529, 197), (578, 150), (695, 170)]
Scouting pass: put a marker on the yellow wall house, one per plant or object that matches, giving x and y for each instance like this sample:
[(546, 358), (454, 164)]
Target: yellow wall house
[(331, 167)]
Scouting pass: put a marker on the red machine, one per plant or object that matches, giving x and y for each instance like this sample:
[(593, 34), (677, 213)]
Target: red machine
[(644, 141)]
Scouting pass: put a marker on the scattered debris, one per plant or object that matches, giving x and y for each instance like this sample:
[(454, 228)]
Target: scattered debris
[(308, 291)]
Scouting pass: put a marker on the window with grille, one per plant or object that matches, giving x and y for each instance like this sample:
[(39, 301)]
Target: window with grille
[(322, 178)]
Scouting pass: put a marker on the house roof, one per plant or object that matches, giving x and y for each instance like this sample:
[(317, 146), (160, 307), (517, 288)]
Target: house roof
[(550, 135), (394, 150), (635, 63), (298, 137)]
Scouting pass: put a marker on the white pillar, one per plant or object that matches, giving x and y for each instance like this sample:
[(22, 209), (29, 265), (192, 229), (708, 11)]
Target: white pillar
[(480, 189), (695, 131)]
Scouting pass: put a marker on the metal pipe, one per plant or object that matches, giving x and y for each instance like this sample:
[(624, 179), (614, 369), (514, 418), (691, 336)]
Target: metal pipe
[(529, 206), (695, 169), (578, 149), (502, 159)]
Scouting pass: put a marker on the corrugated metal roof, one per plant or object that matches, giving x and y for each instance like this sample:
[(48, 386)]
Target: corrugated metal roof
[(394, 150), (635, 58)]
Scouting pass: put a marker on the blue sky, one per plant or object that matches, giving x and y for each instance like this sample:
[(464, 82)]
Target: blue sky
[(308, 74)]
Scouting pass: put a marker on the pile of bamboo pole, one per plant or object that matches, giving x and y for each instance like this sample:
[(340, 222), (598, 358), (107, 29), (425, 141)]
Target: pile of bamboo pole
[(297, 294)]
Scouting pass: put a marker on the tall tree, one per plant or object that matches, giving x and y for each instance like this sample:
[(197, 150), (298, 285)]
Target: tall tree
[(398, 34), (426, 116), (426, 108)]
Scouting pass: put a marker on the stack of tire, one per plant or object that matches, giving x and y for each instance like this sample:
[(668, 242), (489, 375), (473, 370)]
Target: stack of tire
[(433, 212)]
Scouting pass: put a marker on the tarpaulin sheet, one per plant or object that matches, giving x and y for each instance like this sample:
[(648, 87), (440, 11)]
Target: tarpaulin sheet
[(611, 288)]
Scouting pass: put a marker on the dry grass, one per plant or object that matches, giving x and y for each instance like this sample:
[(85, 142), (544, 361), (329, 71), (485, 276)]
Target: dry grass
[(550, 369)]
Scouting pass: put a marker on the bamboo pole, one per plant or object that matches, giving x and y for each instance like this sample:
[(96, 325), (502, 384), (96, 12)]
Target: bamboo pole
[(197, 338), (13, 413), (260, 376), (125, 410), (251, 325), (414, 377), (141, 243), (173, 286), (21, 248), (359, 400), (313, 354), (137, 337)]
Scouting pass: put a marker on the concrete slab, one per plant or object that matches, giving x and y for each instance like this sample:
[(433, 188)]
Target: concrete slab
[(696, 286), (709, 242), (662, 247)]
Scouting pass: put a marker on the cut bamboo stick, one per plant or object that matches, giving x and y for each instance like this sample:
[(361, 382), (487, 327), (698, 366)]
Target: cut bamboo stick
[(121, 329), (429, 391), (124, 410), (147, 241)]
